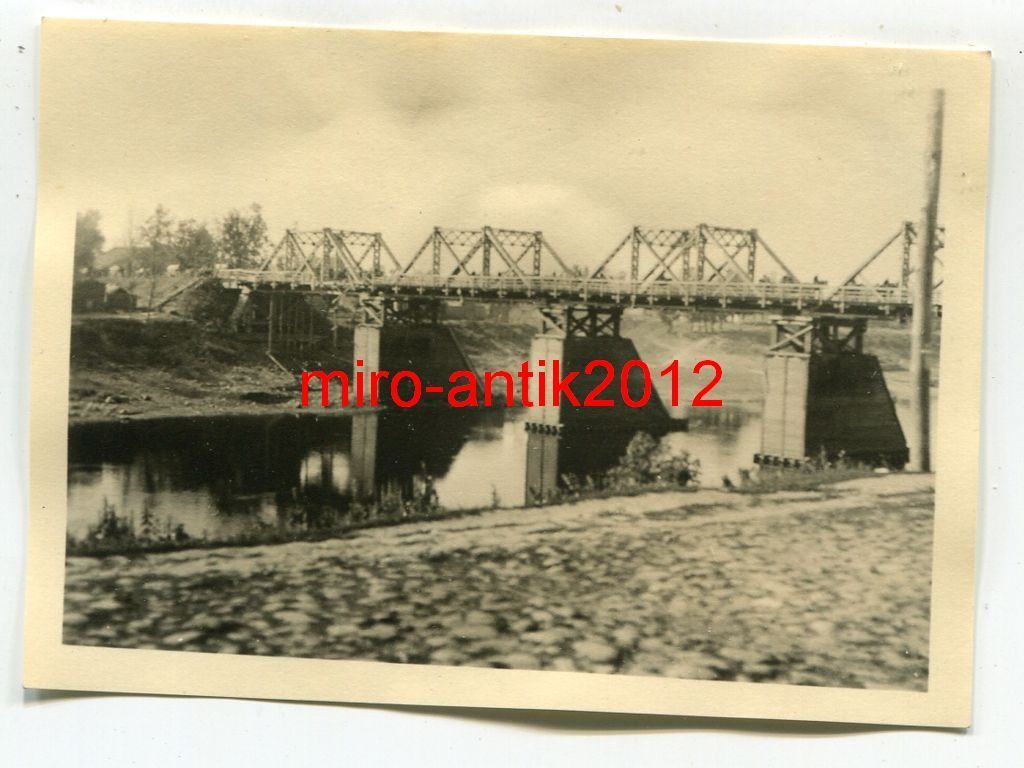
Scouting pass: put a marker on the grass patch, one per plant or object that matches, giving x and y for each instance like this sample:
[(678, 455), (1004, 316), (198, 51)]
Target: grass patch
[(91, 546), (809, 478)]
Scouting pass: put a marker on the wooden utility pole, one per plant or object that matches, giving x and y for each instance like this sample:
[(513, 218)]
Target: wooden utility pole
[(921, 325)]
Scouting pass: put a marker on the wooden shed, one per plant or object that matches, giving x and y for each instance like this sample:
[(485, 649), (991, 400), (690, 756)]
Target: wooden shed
[(87, 296)]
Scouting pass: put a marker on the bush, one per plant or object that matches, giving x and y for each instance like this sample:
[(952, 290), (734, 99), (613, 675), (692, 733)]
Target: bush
[(111, 530), (812, 473), (648, 464), (117, 533), (651, 462), (208, 303)]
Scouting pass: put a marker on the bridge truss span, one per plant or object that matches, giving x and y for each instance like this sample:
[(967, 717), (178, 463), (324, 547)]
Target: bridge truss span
[(328, 256), (703, 267), (487, 252)]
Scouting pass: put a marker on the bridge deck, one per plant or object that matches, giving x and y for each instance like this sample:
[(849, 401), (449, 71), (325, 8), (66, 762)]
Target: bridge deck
[(737, 295)]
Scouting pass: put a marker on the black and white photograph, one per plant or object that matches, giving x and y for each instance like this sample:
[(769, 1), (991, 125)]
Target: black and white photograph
[(616, 358)]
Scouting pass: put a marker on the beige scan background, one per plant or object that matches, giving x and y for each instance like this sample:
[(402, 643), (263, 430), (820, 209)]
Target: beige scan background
[(107, 53), (290, 737)]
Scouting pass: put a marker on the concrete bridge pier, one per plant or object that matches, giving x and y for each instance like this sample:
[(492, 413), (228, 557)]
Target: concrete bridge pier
[(569, 439), (241, 307), (407, 335), (576, 337), (363, 455), (366, 348), (543, 462), (826, 397)]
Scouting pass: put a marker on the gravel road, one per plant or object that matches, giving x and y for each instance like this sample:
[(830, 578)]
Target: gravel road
[(827, 587)]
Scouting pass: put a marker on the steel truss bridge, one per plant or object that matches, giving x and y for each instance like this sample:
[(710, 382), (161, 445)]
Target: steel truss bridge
[(704, 267)]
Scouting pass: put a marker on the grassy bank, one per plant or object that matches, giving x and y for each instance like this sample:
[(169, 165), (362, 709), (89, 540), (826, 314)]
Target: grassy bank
[(646, 468)]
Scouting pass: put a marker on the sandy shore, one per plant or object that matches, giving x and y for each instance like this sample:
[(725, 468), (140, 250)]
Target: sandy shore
[(828, 587)]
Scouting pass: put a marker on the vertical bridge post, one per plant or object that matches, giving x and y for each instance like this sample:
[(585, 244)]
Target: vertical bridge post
[(394, 335), (921, 317), (825, 398), (573, 336)]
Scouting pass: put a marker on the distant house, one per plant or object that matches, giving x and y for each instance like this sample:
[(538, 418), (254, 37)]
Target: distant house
[(117, 299), (172, 269), (134, 260), (88, 296)]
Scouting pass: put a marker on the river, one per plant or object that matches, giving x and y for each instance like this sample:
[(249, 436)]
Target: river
[(222, 476)]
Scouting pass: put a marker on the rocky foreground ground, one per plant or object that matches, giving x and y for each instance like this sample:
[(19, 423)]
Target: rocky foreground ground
[(828, 587)]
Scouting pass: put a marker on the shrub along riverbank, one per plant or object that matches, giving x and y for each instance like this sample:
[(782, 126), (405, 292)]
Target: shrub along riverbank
[(648, 466)]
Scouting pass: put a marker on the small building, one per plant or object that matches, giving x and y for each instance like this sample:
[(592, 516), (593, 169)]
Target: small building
[(87, 296), (172, 269), (117, 299)]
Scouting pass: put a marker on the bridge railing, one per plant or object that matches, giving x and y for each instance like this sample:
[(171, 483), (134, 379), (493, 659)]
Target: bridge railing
[(726, 293), (867, 294), (764, 294), (270, 276)]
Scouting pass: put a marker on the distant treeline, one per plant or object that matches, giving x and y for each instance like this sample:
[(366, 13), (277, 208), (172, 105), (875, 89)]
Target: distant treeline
[(238, 240)]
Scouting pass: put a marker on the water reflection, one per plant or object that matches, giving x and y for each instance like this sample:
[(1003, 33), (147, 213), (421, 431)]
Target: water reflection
[(575, 450), (223, 476)]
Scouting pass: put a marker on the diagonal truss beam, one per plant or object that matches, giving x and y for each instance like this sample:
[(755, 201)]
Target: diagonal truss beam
[(864, 265), (498, 246), (666, 263), (295, 244), (716, 235), (773, 256), (351, 265), (511, 248)]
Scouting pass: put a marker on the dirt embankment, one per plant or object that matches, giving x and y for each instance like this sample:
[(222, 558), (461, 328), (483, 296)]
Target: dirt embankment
[(137, 366)]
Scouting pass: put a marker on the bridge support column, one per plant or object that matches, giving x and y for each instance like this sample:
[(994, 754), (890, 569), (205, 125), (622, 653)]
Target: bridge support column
[(293, 322), (366, 356), (543, 446), (363, 455), (238, 313), (824, 396), (407, 336), (575, 336)]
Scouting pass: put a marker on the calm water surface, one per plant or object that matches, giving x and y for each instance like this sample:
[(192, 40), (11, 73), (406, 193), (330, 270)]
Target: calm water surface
[(221, 476)]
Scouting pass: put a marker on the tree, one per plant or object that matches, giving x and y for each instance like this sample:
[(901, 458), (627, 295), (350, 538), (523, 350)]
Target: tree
[(88, 240), (194, 246), (158, 235), (243, 237)]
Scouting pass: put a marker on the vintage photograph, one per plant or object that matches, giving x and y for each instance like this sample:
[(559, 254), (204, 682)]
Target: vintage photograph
[(515, 353)]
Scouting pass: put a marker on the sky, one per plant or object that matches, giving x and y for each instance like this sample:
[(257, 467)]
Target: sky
[(820, 149)]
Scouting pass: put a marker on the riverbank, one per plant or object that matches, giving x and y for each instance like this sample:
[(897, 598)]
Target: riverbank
[(823, 587), (136, 366)]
